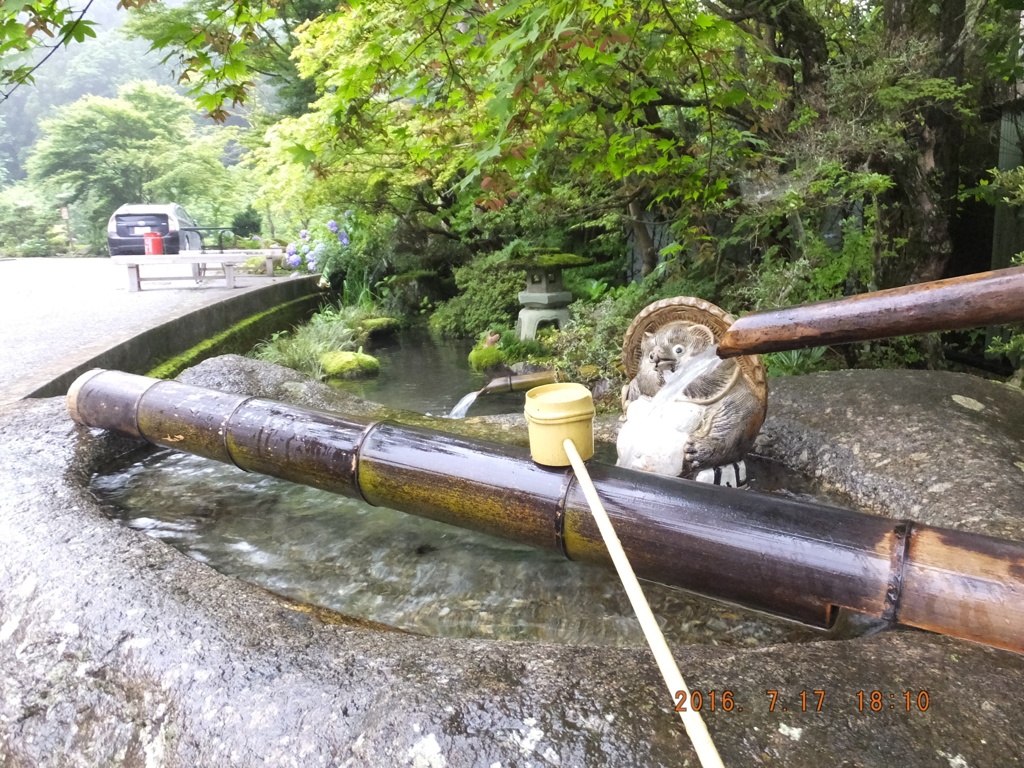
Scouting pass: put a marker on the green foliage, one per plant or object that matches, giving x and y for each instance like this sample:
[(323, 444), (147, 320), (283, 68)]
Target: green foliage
[(453, 129), (595, 332), (28, 226), (142, 146), (898, 352), (517, 350), (795, 362), (816, 268), (247, 223), (331, 329), (489, 297), (1011, 344)]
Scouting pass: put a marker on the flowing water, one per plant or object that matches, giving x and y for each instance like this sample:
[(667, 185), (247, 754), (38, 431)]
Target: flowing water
[(408, 572), (397, 569), (704, 362), (462, 407)]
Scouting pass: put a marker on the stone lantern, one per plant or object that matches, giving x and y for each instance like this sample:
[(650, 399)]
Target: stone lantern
[(544, 301)]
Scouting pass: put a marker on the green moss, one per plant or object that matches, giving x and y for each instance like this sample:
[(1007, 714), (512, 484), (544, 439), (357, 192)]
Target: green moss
[(484, 358), (548, 260), (374, 327), (239, 337), (349, 365)]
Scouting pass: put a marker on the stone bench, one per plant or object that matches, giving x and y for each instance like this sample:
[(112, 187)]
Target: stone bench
[(226, 259)]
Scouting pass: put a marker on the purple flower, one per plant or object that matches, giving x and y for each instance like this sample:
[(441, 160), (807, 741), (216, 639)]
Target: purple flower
[(305, 249), (304, 235), (333, 226), (293, 260), (343, 237), (290, 250), (312, 266)]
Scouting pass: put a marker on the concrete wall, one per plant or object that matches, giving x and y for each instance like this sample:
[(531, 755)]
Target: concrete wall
[(150, 347)]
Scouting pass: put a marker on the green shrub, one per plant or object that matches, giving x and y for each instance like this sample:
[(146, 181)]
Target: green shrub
[(247, 223), (36, 247), (594, 335), (329, 330), (516, 350), (489, 296)]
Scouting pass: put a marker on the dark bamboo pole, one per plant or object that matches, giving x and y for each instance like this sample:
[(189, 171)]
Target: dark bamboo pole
[(795, 559), (985, 298)]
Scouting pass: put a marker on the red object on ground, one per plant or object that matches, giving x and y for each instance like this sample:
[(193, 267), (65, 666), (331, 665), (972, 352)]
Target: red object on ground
[(154, 243)]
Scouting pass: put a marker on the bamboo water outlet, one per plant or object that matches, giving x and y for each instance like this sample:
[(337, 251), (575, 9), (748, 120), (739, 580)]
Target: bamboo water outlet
[(518, 383), (970, 301), (795, 559)]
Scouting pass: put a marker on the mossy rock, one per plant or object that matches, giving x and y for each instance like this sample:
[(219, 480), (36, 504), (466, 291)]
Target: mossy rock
[(486, 358), (375, 327), (349, 365)]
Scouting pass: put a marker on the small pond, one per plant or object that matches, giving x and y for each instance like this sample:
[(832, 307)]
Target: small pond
[(400, 570), (428, 375)]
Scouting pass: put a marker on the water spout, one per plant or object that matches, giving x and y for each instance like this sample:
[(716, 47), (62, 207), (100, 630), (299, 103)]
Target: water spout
[(503, 384), (460, 409)]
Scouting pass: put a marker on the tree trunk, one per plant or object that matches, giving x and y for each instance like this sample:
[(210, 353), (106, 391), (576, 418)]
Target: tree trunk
[(928, 178), (643, 240)]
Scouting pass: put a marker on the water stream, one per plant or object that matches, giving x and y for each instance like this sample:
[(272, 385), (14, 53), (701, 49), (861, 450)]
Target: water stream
[(397, 569), (462, 407)]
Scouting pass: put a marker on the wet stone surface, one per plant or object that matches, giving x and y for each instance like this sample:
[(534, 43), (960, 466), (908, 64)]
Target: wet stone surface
[(946, 449), (115, 649)]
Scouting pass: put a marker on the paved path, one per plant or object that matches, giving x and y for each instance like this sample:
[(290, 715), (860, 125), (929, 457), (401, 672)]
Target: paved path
[(56, 314)]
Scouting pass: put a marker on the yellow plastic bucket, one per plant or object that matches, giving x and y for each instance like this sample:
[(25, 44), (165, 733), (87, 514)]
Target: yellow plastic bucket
[(555, 412)]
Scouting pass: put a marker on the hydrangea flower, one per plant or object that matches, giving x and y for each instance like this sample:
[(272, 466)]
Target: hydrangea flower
[(293, 260), (343, 237), (290, 250), (304, 235), (311, 264), (333, 226), (305, 249)]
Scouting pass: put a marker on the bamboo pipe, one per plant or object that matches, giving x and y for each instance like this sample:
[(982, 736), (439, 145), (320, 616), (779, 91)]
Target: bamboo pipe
[(518, 383), (985, 298), (795, 559)]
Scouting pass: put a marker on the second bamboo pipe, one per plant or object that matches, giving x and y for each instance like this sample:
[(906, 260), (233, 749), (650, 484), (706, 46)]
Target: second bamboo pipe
[(986, 298), (517, 383), (795, 559)]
